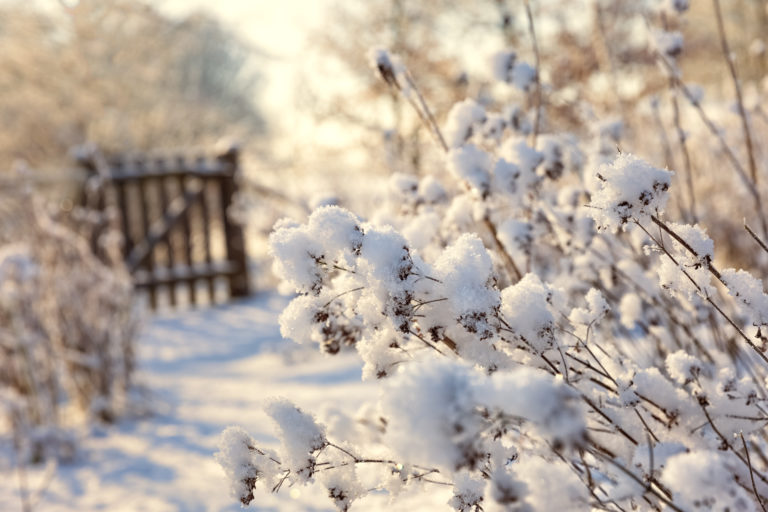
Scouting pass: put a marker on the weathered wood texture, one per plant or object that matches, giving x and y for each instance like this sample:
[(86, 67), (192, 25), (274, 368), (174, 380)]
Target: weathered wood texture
[(176, 231)]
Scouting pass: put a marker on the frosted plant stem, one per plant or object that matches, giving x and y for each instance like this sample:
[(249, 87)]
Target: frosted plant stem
[(688, 248), (681, 137), (752, 473), (682, 140), (728, 445), (662, 136), (708, 299), (599, 453), (711, 269), (759, 241), (537, 58), (737, 87), (427, 343), (430, 118), (618, 427), (507, 257)]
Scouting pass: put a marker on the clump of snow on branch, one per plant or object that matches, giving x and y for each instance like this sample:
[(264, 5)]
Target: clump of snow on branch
[(629, 190)]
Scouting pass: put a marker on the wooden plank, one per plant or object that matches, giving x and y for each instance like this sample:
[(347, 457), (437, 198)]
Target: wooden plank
[(123, 206), (163, 276), (233, 233), (186, 229), (148, 260), (175, 172), (206, 220), (166, 239)]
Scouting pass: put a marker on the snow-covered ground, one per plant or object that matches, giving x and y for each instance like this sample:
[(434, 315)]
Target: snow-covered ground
[(205, 369)]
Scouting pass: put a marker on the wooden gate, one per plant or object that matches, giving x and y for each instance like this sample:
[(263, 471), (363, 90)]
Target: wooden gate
[(178, 237)]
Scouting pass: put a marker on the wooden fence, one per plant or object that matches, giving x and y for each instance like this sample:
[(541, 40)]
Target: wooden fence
[(178, 237)]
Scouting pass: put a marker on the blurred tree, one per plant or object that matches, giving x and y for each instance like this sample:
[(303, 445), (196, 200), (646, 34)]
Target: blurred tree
[(122, 75)]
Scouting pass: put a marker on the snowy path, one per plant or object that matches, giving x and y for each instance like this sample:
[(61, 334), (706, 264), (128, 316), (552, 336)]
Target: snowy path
[(207, 369)]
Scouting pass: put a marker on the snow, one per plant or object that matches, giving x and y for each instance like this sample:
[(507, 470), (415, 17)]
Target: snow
[(690, 276), (505, 177), (523, 76), (502, 63), (697, 483), (524, 308), (205, 370), (596, 309), (748, 290), (631, 310), (506, 68), (629, 189), (683, 367), (431, 190), (471, 164), (301, 437), (434, 398), (462, 118), (669, 44), (466, 272)]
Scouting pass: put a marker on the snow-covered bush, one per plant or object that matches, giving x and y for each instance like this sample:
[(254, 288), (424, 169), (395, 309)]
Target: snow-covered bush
[(67, 326), (546, 337)]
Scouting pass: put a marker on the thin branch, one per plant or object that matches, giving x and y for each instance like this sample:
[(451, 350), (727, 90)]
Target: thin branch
[(682, 140), (424, 303), (737, 87), (342, 294), (430, 118), (688, 247), (427, 343), (726, 443), (757, 238), (537, 60), (608, 418), (505, 255), (752, 473), (646, 427), (667, 501)]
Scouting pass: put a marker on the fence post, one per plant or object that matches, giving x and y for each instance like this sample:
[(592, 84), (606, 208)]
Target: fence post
[(233, 232)]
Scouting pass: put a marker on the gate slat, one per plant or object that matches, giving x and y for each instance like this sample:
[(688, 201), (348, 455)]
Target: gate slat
[(187, 230), (233, 233), (206, 219), (124, 218), (148, 260), (160, 166)]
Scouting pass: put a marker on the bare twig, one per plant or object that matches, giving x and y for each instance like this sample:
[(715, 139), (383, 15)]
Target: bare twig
[(752, 473), (757, 238), (600, 453), (537, 60), (682, 140), (502, 250), (737, 87)]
